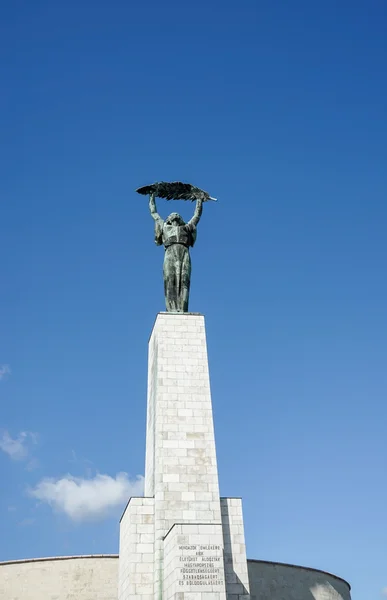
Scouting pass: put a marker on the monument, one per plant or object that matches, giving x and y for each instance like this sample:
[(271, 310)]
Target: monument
[(181, 541)]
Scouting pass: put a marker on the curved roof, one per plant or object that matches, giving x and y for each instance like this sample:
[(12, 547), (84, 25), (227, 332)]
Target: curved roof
[(27, 560), (270, 562)]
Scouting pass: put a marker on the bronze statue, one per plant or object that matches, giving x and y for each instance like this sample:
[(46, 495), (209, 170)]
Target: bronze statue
[(177, 237)]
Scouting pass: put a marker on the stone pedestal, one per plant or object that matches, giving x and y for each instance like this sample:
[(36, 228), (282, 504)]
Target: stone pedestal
[(195, 537)]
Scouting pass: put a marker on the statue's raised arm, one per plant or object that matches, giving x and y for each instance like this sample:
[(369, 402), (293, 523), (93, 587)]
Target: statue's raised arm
[(197, 214), (159, 223), (152, 207)]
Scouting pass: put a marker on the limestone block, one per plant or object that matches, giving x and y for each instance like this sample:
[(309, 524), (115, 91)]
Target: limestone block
[(235, 561), (136, 558)]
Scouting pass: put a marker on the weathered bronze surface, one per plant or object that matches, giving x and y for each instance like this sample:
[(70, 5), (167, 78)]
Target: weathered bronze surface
[(177, 237), (175, 190)]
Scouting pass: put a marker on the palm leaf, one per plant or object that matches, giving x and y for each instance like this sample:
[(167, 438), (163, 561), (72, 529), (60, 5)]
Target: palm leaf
[(175, 190)]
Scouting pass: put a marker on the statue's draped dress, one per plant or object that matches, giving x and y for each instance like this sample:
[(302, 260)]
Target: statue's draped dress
[(177, 263)]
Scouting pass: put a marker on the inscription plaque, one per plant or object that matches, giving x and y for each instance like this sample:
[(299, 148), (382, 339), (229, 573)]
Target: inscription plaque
[(200, 564)]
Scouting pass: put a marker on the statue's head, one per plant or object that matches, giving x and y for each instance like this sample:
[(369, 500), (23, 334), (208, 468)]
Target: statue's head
[(174, 219)]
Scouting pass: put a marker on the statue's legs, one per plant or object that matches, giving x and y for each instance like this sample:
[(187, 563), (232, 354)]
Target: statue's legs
[(185, 281), (177, 278)]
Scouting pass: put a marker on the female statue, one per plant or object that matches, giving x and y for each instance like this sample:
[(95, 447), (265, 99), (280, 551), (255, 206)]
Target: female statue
[(177, 237)]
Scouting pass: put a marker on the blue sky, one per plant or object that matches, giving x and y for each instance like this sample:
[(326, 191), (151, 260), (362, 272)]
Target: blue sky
[(276, 108)]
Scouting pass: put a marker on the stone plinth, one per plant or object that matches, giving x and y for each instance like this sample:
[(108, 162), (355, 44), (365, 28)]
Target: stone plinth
[(198, 548), (181, 470)]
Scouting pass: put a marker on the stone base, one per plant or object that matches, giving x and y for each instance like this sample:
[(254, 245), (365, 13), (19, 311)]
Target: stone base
[(181, 542), (136, 564)]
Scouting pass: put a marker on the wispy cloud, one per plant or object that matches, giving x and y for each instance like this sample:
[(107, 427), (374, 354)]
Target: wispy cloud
[(17, 448), (384, 592), (4, 371), (84, 499)]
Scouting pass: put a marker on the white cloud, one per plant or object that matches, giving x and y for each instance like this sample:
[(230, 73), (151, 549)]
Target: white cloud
[(4, 370), (82, 499), (17, 448), (384, 592)]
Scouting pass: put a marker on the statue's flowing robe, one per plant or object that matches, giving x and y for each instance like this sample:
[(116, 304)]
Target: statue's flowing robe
[(177, 262)]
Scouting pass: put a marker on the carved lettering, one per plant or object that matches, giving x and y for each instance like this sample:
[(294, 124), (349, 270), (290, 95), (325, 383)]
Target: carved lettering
[(200, 565)]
